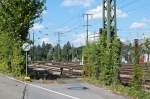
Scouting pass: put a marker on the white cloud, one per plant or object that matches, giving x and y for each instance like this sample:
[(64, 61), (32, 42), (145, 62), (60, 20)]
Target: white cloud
[(80, 39), (138, 25), (64, 29), (123, 40), (37, 27), (97, 13), (121, 14), (45, 40), (146, 20), (84, 3)]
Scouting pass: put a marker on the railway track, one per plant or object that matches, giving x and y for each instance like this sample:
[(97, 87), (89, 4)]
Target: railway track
[(72, 69), (126, 75), (69, 69)]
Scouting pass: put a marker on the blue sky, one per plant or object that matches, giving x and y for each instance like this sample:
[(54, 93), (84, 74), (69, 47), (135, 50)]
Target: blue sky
[(66, 16)]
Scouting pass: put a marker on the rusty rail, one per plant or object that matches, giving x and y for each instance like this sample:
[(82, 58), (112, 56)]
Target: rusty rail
[(126, 75), (70, 69), (60, 68)]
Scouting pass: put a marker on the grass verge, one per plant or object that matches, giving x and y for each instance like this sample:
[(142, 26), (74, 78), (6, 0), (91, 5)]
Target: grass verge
[(121, 90)]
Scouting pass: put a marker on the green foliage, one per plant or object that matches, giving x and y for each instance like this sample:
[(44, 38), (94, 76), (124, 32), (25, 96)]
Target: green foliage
[(3, 66), (115, 59), (57, 53), (16, 18), (102, 60), (90, 60), (67, 52), (50, 55), (126, 50), (121, 90), (20, 14), (137, 77), (137, 70), (146, 47), (110, 62), (17, 59), (47, 52), (102, 56), (42, 53)]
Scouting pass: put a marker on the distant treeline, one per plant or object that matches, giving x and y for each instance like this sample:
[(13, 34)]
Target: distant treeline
[(48, 52)]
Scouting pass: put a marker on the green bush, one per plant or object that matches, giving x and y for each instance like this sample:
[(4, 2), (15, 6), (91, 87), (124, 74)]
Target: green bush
[(17, 59), (136, 82), (90, 60), (137, 77), (102, 60)]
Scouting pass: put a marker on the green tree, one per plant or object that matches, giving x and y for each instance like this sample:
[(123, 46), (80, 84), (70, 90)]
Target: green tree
[(146, 46), (102, 60), (67, 52), (57, 53), (126, 50), (137, 70), (45, 50), (90, 59), (50, 55), (16, 18)]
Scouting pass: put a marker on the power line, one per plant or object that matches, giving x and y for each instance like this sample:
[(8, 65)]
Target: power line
[(74, 28), (58, 50), (72, 19), (87, 26), (94, 35)]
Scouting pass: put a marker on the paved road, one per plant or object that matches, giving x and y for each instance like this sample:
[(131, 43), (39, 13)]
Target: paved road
[(12, 89)]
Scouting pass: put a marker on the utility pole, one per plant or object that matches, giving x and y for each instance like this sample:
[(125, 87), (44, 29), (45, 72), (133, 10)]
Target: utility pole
[(109, 18), (94, 36), (33, 49), (29, 36), (87, 27), (72, 53), (58, 50), (59, 38)]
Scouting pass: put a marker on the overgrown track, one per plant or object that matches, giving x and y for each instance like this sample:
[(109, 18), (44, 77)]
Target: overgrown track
[(67, 69), (74, 69), (126, 75)]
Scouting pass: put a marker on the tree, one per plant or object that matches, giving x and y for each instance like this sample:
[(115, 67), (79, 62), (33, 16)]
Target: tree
[(90, 59), (45, 50), (146, 45), (16, 18), (126, 50), (137, 70), (57, 53), (20, 14), (50, 55), (67, 52), (78, 52), (102, 60)]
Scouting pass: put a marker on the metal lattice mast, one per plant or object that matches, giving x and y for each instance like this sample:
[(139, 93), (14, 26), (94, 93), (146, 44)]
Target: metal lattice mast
[(109, 18)]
